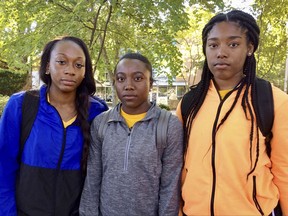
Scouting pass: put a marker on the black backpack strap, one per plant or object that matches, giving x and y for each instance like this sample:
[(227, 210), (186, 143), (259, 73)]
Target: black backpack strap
[(265, 105), (162, 129), (265, 110), (29, 111)]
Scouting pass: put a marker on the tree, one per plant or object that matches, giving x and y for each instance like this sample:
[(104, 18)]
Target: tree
[(272, 18), (271, 54), (109, 27), (190, 44)]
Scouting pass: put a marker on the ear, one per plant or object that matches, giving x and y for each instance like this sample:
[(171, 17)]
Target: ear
[(250, 49), (47, 72), (113, 81), (47, 66), (151, 85)]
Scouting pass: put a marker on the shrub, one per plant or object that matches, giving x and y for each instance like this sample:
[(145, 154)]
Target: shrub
[(164, 106), (3, 101), (11, 82)]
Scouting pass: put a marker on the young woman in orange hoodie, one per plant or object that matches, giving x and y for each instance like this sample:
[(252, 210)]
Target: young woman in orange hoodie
[(227, 170)]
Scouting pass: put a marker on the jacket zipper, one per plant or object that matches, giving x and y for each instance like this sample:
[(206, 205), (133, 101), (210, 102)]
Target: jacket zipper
[(213, 156), (59, 167), (214, 131), (62, 150), (127, 149), (60, 159)]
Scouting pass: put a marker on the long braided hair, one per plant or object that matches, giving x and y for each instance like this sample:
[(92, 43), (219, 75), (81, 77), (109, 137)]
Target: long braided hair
[(84, 90), (252, 31)]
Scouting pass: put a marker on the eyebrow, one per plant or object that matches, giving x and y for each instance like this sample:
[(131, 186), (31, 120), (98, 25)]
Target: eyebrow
[(66, 55), (230, 37), (135, 72)]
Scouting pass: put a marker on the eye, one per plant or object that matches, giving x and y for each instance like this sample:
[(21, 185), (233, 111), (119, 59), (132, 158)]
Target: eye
[(61, 62), (212, 45), (79, 65), (138, 79), (120, 79), (233, 44)]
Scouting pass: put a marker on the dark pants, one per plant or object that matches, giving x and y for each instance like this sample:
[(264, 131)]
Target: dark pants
[(277, 211)]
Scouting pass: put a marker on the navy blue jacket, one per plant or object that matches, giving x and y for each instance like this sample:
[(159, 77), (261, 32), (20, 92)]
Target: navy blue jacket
[(48, 181)]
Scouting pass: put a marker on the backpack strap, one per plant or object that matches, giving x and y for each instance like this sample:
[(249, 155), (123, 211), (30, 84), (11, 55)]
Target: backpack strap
[(29, 111), (162, 129), (265, 105), (265, 110)]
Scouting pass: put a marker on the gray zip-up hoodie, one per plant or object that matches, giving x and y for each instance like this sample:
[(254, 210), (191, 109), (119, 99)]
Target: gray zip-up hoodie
[(126, 174)]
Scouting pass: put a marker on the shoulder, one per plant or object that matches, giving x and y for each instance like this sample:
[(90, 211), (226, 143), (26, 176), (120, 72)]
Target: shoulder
[(174, 122), (16, 99), (13, 107), (98, 102), (280, 97), (107, 115), (97, 106)]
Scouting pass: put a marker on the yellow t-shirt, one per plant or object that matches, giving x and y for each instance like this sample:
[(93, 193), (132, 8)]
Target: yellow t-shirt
[(132, 119), (69, 122), (224, 92)]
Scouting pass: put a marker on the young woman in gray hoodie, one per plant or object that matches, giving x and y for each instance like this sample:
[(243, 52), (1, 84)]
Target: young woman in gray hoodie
[(127, 174)]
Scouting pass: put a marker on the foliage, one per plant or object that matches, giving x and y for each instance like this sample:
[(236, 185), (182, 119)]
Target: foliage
[(164, 106), (190, 44), (273, 21), (110, 28), (3, 101), (165, 31), (11, 82), (271, 54)]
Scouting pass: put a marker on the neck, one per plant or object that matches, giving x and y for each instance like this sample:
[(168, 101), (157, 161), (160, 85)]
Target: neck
[(228, 84), (61, 98)]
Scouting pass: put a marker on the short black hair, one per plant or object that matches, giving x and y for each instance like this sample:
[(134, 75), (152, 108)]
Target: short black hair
[(140, 57)]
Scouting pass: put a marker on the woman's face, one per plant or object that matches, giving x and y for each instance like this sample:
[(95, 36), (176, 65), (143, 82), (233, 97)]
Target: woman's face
[(66, 66), (132, 83), (226, 52)]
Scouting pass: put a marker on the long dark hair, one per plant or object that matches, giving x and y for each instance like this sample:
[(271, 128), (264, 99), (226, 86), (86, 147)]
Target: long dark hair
[(84, 90), (252, 31)]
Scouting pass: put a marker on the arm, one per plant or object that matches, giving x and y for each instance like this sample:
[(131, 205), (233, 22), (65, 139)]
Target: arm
[(9, 147), (90, 198), (172, 161), (279, 154), (178, 111)]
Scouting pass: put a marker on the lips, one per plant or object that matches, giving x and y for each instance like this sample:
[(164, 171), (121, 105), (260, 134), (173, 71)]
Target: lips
[(68, 81), (221, 65), (129, 97)]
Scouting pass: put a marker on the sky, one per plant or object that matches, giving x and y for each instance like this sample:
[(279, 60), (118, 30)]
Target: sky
[(240, 4)]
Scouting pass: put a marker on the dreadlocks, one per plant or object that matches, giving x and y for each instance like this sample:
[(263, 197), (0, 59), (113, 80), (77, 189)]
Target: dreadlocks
[(248, 24)]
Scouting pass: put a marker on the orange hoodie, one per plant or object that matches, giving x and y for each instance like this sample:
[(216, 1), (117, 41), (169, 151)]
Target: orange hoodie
[(216, 166)]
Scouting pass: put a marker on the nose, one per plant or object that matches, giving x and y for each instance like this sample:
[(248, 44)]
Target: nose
[(70, 70), (129, 85), (222, 53)]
